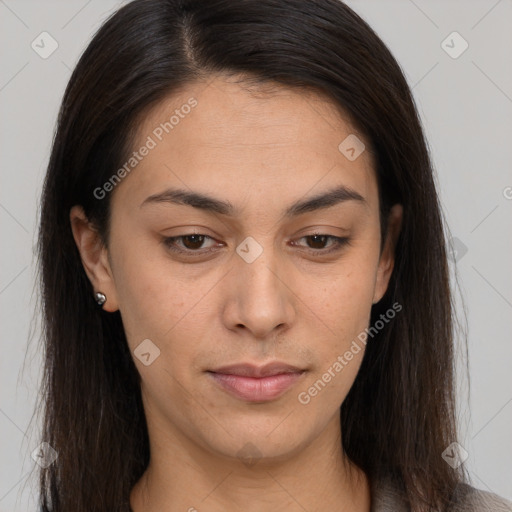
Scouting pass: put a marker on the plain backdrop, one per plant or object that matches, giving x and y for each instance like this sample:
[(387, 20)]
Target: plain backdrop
[(465, 101)]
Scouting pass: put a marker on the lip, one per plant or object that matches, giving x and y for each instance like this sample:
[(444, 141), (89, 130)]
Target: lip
[(250, 370), (257, 383)]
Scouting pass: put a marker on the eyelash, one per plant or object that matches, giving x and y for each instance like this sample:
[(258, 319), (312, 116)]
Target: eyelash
[(338, 244)]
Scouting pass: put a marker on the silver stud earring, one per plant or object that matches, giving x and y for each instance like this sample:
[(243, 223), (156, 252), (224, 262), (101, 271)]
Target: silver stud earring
[(100, 298)]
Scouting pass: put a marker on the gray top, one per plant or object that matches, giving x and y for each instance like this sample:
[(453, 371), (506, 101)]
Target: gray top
[(387, 498)]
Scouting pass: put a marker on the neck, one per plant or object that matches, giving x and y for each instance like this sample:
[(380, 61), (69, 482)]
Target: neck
[(182, 476)]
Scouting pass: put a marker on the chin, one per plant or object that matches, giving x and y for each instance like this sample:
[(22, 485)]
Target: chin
[(257, 444)]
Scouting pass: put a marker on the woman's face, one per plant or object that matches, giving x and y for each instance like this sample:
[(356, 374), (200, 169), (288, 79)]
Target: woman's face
[(223, 251)]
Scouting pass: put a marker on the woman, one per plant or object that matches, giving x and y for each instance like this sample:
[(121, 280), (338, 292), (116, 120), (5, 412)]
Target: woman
[(244, 272)]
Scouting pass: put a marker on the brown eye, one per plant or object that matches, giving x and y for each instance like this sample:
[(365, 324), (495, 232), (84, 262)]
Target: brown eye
[(317, 242), (193, 241), (190, 243)]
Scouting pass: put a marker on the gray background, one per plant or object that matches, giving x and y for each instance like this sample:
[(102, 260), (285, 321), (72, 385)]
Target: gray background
[(466, 107)]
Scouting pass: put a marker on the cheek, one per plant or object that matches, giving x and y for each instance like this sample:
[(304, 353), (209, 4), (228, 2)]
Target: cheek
[(343, 297), (155, 298), (342, 312), (341, 303)]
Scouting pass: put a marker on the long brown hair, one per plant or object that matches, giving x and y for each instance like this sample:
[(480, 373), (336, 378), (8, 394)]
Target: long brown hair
[(399, 415)]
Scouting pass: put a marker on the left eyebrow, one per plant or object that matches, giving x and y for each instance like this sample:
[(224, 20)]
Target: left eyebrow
[(324, 200), (210, 204)]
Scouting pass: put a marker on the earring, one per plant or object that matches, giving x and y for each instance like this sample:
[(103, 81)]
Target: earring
[(100, 298)]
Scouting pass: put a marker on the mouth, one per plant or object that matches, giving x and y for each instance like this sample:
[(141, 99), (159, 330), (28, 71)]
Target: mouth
[(257, 383)]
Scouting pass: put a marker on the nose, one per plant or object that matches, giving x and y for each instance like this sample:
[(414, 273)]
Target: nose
[(260, 297)]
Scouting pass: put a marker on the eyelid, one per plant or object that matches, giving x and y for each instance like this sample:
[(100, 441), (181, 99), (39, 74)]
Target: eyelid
[(338, 244), (167, 241)]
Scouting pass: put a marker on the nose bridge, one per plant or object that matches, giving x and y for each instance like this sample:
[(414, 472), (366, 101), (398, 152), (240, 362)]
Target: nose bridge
[(263, 300)]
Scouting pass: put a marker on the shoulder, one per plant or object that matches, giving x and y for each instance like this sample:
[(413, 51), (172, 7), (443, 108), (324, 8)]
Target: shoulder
[(387, 497), (469, 499)]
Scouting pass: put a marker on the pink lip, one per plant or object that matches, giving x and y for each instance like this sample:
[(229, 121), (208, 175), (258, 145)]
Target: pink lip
[(257, 384)]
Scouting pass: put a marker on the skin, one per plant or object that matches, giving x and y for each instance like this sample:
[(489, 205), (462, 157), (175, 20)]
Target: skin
[(260, 150)]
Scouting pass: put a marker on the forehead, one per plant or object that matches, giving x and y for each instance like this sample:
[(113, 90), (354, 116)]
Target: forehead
[(229, 138)]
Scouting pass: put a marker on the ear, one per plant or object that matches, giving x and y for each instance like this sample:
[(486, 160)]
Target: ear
[(387, 257), (94, 257)]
